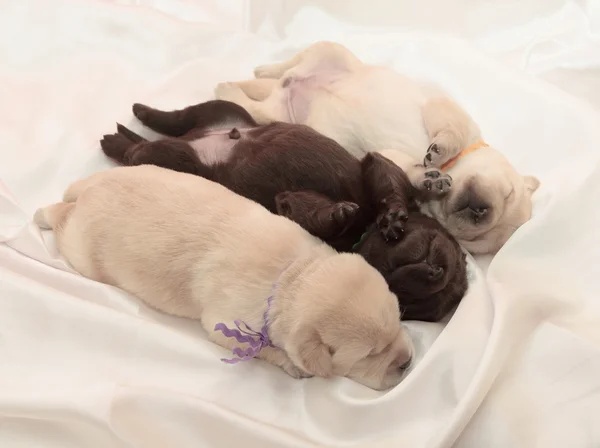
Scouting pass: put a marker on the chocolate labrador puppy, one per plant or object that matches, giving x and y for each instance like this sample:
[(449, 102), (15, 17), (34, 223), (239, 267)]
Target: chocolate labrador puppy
[(366, 206)]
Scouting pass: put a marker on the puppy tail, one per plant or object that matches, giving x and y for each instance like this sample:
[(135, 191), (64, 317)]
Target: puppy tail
[(117, 145)]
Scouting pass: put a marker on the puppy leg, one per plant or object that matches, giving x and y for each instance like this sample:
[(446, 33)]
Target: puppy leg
[(329, 54), (116, 146), (266, 108), (53, 216), (390, 191), (450, 130), (176, 155), (211, 114), (258, 89), (273, 108), (316, 213), (276, 70), (172, 123), (429, 183)]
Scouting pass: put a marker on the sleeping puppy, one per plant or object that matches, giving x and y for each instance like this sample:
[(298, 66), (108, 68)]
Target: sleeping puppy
[(371, 108), (417, 266), (297, 173), (190, 247)]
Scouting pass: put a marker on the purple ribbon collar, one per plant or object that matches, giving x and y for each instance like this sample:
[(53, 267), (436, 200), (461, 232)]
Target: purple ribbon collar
[(245, 334)]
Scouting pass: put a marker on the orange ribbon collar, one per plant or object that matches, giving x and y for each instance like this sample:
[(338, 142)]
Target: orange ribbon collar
[(468, 150)]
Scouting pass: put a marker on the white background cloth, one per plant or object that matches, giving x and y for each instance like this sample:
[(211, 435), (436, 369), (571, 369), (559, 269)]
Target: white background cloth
[(85, 365)]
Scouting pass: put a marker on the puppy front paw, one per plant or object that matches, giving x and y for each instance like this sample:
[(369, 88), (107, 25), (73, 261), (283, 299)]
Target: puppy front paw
[(295, 372), (433, 183), (443, 147), (391, 222), (436, 156)]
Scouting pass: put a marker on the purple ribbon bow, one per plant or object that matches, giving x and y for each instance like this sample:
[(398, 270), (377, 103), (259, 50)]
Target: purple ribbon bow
[(256, 340)]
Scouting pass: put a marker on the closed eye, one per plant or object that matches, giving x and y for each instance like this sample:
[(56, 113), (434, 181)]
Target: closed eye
[(377, 351)]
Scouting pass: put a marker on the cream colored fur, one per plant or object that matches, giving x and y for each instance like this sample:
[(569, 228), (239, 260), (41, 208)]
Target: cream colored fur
[(190, 247), (372, 108)]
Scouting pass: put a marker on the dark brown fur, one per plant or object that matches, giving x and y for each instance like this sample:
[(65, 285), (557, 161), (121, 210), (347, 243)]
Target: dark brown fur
[(296, 172), (426, 269)]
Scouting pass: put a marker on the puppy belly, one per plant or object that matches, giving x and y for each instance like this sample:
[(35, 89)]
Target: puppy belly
[(215, 149), (300, 91), (299, 99)]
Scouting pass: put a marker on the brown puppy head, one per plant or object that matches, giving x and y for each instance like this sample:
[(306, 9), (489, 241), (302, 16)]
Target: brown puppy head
[(426, 268), (347, 323)]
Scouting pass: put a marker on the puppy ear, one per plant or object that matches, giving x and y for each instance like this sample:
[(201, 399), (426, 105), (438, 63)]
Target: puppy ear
[(532, 183), (313, 354), (349, 354)]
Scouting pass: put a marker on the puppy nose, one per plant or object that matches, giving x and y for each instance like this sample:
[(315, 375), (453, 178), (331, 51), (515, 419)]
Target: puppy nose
[(435, 272), (479, 214)]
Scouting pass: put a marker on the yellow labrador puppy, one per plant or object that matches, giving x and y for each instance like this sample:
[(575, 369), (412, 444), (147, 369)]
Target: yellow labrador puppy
[(371, 108), (190, 247)]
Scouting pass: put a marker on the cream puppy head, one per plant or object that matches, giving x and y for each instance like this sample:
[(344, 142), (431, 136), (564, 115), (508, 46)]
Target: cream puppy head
[(488, 201), (347, 323)]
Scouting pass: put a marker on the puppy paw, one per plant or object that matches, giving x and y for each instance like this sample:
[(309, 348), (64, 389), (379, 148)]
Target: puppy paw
[(140, 111), (229, 91), (265, 71), (391, 222), (443, 147), (40, 219), (262, 71), (344, 212), (294, 371), (433, 183), (115, 146)]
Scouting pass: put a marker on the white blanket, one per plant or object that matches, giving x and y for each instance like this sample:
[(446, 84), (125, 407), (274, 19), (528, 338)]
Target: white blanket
[(85, 365)]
